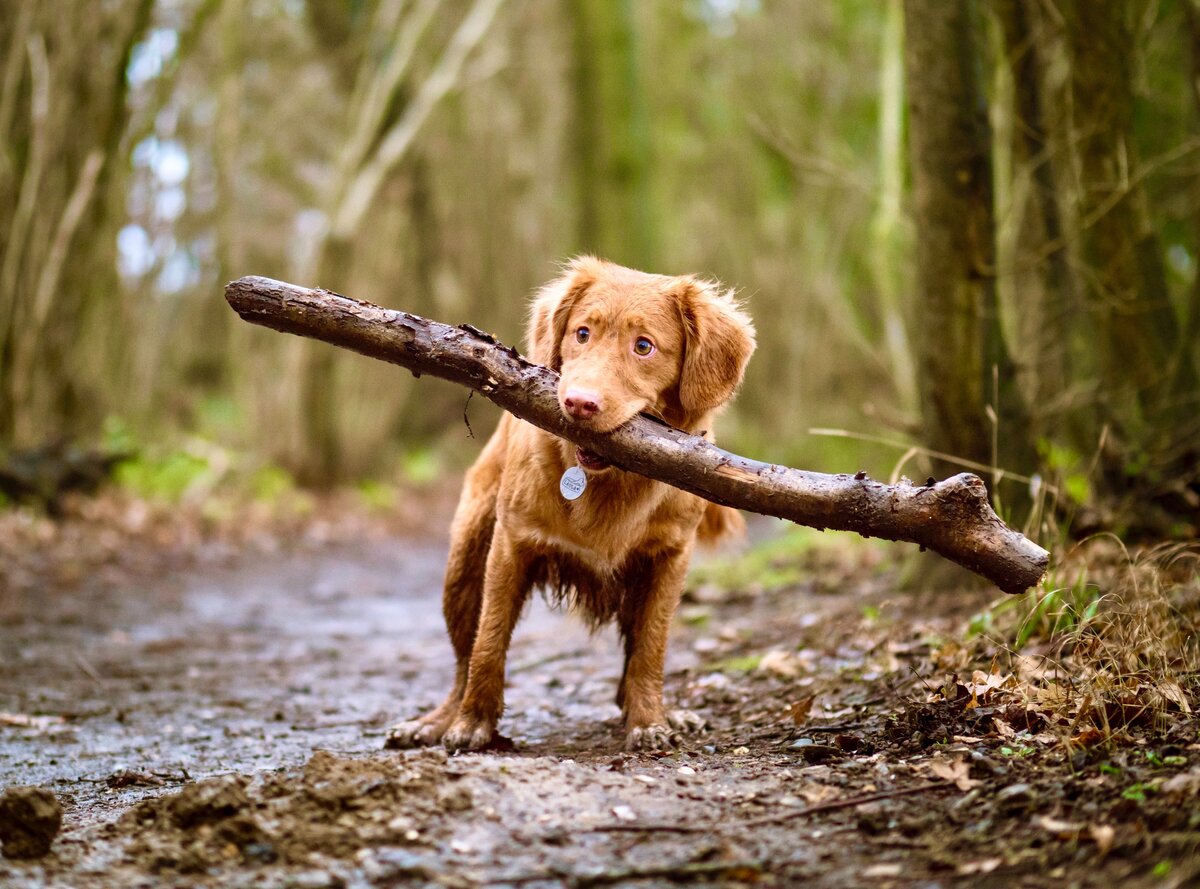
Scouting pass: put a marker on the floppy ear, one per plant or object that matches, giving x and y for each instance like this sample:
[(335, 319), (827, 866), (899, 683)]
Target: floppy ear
[(718, 342), (551, 309)]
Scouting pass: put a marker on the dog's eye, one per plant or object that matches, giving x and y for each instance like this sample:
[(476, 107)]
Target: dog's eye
[(583, 334), (643, 347)]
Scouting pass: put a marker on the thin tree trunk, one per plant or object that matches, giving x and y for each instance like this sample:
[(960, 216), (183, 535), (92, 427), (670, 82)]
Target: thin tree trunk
[(1124, 282), (612, 135), (887, 228), (378, 141), (963, 365), (1038, 276)]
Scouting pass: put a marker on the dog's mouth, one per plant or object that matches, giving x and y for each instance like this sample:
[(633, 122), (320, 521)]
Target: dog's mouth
[(591, 461)]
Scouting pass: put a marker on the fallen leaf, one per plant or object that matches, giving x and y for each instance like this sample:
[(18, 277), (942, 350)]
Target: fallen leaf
[(1063, 830), (1103, 835), (800, 709), (957, 773), (1089, 737), (780, 663), (984, 866), (1184, 782), (1173, 692), (982, 684)]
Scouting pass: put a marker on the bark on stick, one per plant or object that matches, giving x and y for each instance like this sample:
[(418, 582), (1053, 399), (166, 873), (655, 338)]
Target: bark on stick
[(951, 517)]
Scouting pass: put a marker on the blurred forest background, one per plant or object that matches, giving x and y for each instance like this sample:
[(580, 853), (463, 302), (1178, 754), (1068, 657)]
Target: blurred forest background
[(966, 229)]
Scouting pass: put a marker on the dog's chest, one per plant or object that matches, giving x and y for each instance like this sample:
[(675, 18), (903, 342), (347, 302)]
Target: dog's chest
[(600, 530)]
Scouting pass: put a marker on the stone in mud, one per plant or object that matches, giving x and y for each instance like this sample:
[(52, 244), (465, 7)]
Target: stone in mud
[(30, 818), (208, 802), (455, 798)]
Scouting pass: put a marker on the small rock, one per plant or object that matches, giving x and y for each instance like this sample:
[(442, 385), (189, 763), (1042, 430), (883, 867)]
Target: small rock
[(30, 818), (314, 879), (208, 801), (624, 813), (1015, 796), (819, 752), (848, 743), (803, 742), (705, 645), (456, 799)]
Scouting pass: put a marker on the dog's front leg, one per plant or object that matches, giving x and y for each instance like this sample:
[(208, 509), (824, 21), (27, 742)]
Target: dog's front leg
[(647, 626), (505, 587)]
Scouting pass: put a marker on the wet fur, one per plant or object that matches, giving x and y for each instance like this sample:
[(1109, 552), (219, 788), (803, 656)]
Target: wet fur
[(618, 553)]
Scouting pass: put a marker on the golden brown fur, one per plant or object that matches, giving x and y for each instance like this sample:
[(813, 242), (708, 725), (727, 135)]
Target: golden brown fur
[(621, 551)]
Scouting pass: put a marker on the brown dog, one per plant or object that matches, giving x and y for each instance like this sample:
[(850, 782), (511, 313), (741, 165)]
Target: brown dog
[(623, 342)]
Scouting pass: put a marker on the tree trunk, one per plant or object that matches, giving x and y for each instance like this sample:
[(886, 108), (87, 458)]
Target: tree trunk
[(379, 137), (612, 135), (1124, 284), (952, 518), (63, 112), (1036, 270), (963, 364)]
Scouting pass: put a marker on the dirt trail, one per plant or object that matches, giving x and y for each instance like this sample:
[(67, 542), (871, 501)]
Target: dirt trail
[(249, 670), (224, 727)]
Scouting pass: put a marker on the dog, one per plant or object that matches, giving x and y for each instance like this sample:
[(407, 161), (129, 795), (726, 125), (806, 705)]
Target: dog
[(623, 342)]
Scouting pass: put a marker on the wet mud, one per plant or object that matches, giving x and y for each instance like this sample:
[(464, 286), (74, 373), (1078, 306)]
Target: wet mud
[(224, 726)]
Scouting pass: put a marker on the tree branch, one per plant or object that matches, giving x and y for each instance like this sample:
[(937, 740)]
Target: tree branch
[(952, 517)]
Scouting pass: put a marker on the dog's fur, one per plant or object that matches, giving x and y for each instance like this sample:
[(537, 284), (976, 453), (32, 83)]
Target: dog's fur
[(621, 551)]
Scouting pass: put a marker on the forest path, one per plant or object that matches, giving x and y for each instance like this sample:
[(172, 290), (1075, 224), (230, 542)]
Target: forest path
[(224, 726), (248, 670)]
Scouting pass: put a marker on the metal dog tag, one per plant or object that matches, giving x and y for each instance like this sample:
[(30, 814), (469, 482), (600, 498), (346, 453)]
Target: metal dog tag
[(572, 483)]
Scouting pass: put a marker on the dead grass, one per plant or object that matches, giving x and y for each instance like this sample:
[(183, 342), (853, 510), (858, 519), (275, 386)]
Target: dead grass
[(1107, 644)]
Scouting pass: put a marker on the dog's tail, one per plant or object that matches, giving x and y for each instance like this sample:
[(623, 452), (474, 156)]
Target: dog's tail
[(720, 523)]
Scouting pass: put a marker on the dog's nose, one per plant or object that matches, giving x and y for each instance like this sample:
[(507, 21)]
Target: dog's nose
[(581, 404)]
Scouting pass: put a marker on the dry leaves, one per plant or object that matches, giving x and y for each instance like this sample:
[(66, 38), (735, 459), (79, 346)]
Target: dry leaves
[(956, 772)]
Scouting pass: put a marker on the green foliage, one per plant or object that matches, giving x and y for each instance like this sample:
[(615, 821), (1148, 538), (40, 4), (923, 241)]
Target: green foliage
[(270, 483), (377, 495), (743, 664), (1137, 792), (422, 466), (166, 477), (1041, 613), (1062, 461), (778, 563)]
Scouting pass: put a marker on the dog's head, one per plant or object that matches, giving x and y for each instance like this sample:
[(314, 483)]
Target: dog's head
[(625, 341)]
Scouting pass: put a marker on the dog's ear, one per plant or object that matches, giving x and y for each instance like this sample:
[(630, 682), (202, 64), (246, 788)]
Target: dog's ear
[(718, 342), (552, 308)]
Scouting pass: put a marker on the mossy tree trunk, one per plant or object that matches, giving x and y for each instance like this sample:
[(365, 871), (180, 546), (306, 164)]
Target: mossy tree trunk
[(612, 135), (966, 383)]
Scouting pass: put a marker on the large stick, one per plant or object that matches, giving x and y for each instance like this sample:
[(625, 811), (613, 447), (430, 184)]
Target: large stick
[(952, 517)]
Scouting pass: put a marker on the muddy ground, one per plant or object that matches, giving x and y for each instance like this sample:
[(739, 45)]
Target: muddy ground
[(222, 725)]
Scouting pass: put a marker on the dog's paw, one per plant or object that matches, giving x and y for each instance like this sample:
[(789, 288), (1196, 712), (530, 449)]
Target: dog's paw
[(652, 738), (413, 733), (686, 721), (466, 733)]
